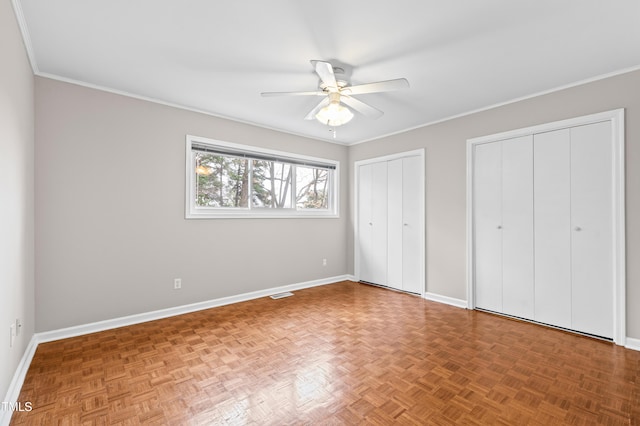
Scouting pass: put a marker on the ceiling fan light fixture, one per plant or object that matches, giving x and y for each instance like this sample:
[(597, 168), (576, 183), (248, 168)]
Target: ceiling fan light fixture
[(335, 114)]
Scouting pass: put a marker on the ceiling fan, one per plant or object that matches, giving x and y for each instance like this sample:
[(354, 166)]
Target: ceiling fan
[(337, 91)]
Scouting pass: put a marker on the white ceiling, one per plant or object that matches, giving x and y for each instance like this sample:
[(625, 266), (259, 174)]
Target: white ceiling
[(218, 56)]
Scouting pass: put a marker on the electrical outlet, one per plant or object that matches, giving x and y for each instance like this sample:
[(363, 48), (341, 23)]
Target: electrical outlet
[(324, 262), (177, 284)]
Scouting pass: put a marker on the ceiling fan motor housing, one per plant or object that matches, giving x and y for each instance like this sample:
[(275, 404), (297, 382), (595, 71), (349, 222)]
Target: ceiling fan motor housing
[(342, 80)]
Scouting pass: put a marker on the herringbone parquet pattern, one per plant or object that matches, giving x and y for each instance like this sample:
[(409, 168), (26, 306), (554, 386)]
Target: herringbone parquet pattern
[(345, 353)]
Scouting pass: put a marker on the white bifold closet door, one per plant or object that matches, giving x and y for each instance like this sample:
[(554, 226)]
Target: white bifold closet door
[(372, 223), (574, 228), (394, 209), (592, 229), (552, 193), (389, 223), (517, 227), (487, 201), (503, 209), (412, 233), (543, 227), (404, 264)]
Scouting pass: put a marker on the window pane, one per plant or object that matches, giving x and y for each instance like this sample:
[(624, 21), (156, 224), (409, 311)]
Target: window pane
[(312, 186), (271, 184), (221, 181), (227, 180)]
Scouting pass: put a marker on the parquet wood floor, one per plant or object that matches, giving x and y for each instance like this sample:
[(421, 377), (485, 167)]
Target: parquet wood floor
[(344, 353)]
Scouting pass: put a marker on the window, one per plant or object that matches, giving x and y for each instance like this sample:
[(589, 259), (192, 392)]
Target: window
[(231, 180)]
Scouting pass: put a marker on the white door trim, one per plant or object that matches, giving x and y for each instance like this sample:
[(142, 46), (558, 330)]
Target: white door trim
[(356, 211), (616, 117)]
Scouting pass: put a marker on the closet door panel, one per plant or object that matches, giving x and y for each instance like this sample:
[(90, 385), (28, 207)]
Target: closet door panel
[(365, 228), (394, 221), (379, 223), (592, 229), (552, 241), (517, 227), (411, 230), (488, 225)]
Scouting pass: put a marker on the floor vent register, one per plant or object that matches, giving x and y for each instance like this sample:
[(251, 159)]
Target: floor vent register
[(281, 295)]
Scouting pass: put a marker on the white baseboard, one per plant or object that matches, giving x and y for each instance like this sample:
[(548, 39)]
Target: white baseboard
[(94, 327), (13, 392), (458, 303), (632, 343)]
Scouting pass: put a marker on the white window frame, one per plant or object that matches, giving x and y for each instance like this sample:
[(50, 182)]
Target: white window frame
[(192, 211)]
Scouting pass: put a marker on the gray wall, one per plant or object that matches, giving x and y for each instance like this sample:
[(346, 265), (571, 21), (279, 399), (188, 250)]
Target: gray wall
[(110, 226), (445, 145), (16, 194)]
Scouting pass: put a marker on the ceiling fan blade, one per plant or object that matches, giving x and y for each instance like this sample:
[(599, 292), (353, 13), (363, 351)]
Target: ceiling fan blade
[(380, 86), (325, 72), (361, 107), (315, 93), (314, 111)]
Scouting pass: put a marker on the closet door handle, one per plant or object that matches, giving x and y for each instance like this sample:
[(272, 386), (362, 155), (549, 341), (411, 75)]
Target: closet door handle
[(578, 229), (499, 227)]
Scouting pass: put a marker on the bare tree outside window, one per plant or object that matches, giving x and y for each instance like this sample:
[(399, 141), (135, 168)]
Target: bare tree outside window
[(221, 181), (231, 180), (271, 184), (312, 188)]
